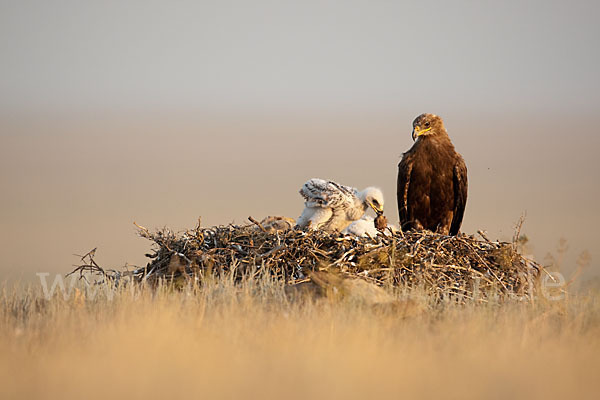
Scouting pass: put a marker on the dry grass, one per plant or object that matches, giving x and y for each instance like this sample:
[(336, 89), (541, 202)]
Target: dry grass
[(248, 341)]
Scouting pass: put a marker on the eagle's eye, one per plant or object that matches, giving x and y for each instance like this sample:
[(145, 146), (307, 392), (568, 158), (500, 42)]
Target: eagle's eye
[(427, 124), (376, 202)]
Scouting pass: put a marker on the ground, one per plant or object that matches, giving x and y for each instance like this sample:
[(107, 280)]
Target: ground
[(249, 340)]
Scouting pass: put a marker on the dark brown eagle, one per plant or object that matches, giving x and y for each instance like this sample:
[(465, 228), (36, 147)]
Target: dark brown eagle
[(432, 180)]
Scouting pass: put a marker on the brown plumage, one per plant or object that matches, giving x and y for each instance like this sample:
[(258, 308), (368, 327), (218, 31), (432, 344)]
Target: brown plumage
[(432, 180)]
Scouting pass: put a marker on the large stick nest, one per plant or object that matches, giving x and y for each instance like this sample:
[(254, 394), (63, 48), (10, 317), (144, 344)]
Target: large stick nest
[(439, 264)]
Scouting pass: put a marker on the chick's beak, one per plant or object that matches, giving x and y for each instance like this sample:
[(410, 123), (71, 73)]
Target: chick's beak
[(377, 210)]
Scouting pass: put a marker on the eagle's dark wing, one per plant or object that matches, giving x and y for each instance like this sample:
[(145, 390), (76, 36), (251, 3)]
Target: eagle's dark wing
[(404, 171), (460, 194)]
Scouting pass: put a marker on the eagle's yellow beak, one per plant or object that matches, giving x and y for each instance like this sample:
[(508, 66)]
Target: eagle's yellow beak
[(418, 132)]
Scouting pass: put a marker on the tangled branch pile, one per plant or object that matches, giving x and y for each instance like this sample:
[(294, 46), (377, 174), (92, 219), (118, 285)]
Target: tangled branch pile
[(439, 264)]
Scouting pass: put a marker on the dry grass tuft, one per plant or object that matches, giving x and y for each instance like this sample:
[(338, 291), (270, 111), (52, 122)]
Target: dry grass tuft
[(246, 339)]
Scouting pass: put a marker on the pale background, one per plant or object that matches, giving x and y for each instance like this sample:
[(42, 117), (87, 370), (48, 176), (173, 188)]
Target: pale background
[(160, 112)]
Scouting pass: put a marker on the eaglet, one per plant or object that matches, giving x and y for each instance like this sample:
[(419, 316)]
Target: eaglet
[(332, 207)]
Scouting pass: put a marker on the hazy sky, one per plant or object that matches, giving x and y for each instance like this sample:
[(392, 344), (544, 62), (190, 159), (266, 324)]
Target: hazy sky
[(458, 55), (163, 111)]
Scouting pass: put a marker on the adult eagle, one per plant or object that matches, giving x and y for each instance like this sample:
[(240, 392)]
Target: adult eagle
[(432, 180)]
